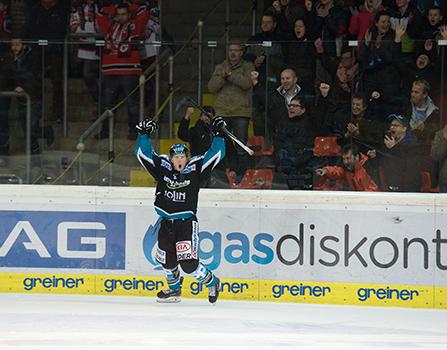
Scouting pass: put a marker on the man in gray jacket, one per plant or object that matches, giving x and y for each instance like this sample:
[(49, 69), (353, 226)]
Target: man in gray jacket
[(232, 86)]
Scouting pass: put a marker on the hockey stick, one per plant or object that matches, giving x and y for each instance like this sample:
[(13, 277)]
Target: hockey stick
[(224, 129)]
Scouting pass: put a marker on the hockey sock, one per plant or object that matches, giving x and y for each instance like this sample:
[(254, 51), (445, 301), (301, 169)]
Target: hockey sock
[(173, 278), (204, 276)]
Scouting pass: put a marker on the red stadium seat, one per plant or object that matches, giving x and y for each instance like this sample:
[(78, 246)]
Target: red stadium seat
[(257, 144), (426, 185), (253, 179), (326, 147)]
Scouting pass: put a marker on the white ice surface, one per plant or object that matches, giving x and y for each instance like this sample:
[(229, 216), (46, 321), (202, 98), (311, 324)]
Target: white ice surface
[(86, 322)]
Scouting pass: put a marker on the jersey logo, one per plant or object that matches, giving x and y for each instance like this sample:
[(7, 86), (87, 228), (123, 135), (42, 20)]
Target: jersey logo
[(160, 256), (175, 196), (175, 185), (185, 251)]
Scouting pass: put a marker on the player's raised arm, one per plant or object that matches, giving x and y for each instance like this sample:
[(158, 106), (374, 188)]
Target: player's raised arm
[(144, 151)]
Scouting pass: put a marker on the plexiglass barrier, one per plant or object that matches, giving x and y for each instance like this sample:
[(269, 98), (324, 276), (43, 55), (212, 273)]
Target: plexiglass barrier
[(319, 114)]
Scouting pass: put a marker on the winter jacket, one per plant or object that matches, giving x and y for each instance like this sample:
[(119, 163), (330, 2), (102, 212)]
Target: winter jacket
[(402, 165), (378, 71), (199, 136), (277, 108), (294, 140), (47, 23), (357, 180), (431, 122), (411, 20), (371, 132), (25, 71), (341, 91), (331, 27), (300, 55), (272, 70), (233, 94)]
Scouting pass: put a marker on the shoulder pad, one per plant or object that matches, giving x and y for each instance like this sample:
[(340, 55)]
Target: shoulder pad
[(194, 159), (166, 164)]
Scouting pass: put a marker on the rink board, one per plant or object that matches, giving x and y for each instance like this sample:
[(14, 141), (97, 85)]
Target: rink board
[(279, 246), (274, 291)]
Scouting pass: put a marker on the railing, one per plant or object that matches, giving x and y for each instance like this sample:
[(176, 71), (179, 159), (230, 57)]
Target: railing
[(108, 114)]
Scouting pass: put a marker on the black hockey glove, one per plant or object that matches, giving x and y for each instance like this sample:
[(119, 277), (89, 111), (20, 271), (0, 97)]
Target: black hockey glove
[(147, 126), (217, 125)]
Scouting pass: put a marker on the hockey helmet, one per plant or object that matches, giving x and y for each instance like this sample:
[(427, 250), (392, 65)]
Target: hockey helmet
[(179, 148)]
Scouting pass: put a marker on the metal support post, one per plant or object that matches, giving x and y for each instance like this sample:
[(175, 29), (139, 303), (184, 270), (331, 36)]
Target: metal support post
[(111, 157), (199, 60), (171, 89), (227, 26), (253, 17), (142, 82), (157, 80), (65, 87)]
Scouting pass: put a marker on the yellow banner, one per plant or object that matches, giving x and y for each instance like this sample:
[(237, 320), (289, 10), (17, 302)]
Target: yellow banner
[(236, 289)]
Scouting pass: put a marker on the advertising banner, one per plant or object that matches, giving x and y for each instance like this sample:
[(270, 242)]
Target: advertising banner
[(292, 246)]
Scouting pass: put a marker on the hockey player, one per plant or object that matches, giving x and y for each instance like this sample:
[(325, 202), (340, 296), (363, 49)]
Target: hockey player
[(178, 183)]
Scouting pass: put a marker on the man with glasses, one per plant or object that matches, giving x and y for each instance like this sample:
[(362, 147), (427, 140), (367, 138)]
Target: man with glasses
[(232, 86), (293, 141), (400, 157)]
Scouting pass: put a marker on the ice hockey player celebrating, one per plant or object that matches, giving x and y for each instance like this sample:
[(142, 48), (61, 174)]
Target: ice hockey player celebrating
[(178, 179)]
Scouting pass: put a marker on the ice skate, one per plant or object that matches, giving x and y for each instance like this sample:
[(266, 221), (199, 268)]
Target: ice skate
[(170, 295), (213, 291)]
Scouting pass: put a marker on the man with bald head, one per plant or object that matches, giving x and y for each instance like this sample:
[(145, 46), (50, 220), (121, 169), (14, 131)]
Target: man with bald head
[(280, 98)]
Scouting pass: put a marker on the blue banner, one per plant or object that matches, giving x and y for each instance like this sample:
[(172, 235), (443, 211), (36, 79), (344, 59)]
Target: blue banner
[(59, 239)]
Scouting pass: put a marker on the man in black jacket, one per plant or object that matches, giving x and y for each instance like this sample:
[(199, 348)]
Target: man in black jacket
[(199, 136), (268, 62), (400, 158), (293, 143), (48, 19), (22, 74)]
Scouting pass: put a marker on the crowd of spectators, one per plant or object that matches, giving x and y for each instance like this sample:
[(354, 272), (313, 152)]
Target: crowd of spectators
[(365, 73), (23, 65)]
